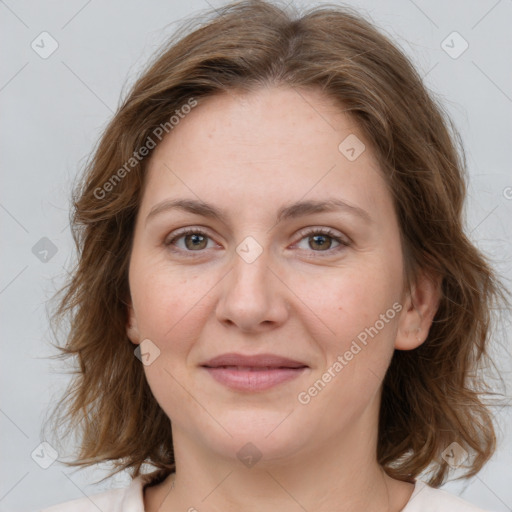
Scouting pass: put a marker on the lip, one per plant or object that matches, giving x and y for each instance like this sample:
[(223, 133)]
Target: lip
[(253, 372), (253, 361)]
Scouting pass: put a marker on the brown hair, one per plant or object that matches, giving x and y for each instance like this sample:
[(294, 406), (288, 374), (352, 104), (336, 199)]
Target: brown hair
[(432, 395)]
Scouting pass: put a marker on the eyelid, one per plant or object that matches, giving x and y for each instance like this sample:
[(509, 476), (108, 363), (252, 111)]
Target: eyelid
[(324, 230)]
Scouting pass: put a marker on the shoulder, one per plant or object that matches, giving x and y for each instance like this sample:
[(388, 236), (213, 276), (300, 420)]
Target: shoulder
[(429, 499), (126, 499)]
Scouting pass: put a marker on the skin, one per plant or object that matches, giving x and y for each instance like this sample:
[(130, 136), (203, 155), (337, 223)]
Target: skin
[(249, 154)]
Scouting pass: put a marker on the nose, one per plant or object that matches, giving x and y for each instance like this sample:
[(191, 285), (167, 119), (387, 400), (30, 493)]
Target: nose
[(253, 297)]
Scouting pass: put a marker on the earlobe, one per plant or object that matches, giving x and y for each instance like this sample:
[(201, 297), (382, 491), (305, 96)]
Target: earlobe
[(420, 307)]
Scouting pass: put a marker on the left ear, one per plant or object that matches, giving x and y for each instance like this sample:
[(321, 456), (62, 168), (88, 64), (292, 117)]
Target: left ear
[(419, 309)]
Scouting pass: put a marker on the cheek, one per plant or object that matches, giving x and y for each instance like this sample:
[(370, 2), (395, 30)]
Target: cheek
[(170, 312), (154, 293), (355, 316), (358, 309), (348, 299), (170, 305)]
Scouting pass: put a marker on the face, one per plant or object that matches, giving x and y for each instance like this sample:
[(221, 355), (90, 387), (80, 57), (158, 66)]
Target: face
[(320, 289)]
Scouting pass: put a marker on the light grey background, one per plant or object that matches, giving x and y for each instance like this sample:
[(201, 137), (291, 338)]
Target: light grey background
[(53, 111)]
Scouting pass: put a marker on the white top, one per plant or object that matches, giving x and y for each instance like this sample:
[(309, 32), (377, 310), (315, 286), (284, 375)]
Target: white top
[(130, 499)]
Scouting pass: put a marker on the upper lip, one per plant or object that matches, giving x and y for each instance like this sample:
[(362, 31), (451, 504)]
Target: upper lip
[(253, 361)]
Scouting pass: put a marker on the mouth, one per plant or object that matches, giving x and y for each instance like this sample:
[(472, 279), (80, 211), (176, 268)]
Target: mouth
[(257, 368), (243, 378), (253, 373)]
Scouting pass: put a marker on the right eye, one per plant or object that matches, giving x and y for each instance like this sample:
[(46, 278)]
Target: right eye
[(194, 240)]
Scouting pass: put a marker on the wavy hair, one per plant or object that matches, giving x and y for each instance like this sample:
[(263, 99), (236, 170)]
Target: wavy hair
[(432, 395)]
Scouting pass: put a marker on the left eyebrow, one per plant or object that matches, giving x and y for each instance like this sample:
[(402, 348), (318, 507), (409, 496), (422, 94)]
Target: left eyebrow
[(291, 211), (302, 208)]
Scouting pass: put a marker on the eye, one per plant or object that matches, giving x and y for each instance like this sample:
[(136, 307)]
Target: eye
[(322, 239), (194, 240), (190, 240)]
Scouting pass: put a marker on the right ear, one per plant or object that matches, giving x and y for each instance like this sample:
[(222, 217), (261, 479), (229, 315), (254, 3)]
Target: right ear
[(132, 329)]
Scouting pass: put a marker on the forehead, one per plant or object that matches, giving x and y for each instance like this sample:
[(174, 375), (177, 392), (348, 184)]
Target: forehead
[(265, 146), (277, 117)]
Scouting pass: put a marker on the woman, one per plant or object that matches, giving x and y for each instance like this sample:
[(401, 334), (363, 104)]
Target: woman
[(275, 304)]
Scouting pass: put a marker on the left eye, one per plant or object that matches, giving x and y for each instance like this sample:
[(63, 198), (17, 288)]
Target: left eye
[(322, 240)]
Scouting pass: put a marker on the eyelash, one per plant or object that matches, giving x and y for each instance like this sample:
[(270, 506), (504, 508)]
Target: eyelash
[(305, 234)]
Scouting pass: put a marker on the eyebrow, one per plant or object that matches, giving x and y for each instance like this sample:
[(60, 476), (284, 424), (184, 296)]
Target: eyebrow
[(291, 211)]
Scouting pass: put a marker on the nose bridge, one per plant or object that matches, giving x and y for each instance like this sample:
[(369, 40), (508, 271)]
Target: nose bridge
[(250, 295), (250, 271), (250, 265)]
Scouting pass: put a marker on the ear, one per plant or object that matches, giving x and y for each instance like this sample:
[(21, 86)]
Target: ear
[(132, 329), (419, 308)]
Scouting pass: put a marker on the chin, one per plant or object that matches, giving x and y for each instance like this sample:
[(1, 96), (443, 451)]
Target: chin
[(271, 437)]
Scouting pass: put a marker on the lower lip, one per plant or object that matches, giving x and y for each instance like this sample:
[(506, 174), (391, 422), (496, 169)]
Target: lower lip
[(253, 380)]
